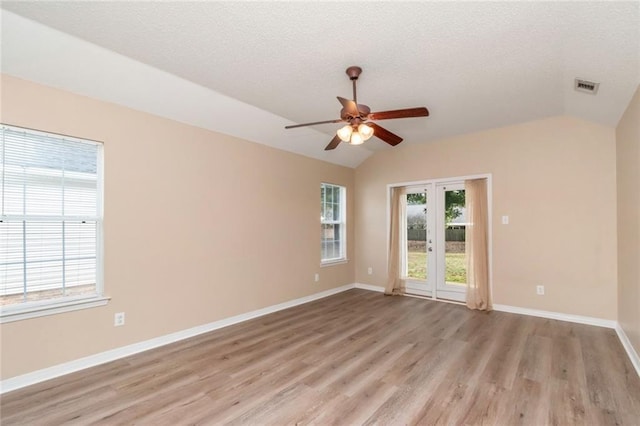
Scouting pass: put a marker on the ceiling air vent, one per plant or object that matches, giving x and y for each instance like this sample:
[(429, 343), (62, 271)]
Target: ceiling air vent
[(586, 86)]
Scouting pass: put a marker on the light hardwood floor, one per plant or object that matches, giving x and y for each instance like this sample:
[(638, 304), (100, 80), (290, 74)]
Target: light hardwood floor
[(356, 358)]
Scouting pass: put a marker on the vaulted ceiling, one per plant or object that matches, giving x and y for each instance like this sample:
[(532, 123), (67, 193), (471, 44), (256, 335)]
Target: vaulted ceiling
[(249, 68)]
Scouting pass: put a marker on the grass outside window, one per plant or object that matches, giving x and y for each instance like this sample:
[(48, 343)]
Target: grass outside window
[(456, 266)]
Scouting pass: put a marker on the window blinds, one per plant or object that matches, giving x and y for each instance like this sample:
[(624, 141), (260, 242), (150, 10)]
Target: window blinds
[(50, 210)]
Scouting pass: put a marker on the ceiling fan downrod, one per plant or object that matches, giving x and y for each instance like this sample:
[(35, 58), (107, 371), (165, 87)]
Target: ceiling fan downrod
[(354, 72)]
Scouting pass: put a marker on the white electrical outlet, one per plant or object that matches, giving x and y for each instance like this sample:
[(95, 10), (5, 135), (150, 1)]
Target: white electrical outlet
[(118, 319), (317, 277), (540, 290), (369, 270), (505, 220)]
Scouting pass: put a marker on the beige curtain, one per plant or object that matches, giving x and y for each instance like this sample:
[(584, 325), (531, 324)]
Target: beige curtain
[(397, 234), (477, 245)]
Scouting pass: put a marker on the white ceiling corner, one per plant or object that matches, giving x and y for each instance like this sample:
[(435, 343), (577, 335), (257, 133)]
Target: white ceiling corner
[(249, 68)]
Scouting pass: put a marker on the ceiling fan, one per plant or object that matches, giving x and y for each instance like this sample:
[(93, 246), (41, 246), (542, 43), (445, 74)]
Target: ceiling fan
[(359, 119)]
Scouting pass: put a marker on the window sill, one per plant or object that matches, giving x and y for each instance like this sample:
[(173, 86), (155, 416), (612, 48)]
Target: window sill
[(334, 262), (40, 309)]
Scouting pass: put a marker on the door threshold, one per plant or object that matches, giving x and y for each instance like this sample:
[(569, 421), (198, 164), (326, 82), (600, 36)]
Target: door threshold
[(419, 296)]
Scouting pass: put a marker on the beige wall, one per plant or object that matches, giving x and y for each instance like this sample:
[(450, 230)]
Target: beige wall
[(555, 178), (628, 169), (199, 226)]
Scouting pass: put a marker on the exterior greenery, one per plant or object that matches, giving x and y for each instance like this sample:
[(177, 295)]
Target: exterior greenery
[(456, 268), (454, 202)]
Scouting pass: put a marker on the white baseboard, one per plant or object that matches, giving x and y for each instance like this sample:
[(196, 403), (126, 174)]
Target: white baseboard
[(38, 376), (557, 316), (631, 352), (369, 287)]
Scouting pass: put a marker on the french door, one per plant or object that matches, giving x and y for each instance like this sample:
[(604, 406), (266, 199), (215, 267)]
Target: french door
[(434, 262)]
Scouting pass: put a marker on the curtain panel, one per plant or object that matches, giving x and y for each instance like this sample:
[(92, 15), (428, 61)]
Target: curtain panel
[(477, 245), (397, 234)]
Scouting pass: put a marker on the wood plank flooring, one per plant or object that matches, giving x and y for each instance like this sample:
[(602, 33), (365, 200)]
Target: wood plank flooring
[(356, 358)]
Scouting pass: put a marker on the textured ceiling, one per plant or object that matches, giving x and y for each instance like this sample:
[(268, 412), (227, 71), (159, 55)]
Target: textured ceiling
[(474, 65)]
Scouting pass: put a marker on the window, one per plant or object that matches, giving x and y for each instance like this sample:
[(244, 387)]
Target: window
[(50, 223), (333, 223)]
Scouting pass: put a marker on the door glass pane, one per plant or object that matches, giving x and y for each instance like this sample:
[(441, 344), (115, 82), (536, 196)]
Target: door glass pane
[(417, 236), (455, 237)]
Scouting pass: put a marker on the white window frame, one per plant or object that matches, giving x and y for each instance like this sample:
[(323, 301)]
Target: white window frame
[(33, 309), (342, 222)]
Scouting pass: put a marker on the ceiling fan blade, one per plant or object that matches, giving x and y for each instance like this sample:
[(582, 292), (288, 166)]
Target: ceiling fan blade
[(312, 124), (399, 113), (334, 143), (349, 106), (382, 133)]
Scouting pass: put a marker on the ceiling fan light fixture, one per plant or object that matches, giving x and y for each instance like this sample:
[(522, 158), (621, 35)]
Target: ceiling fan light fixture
[(356, 139), (365, 131), (344, 133)]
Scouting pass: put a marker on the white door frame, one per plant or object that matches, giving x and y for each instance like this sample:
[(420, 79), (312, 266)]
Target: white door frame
[(435, 182)]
